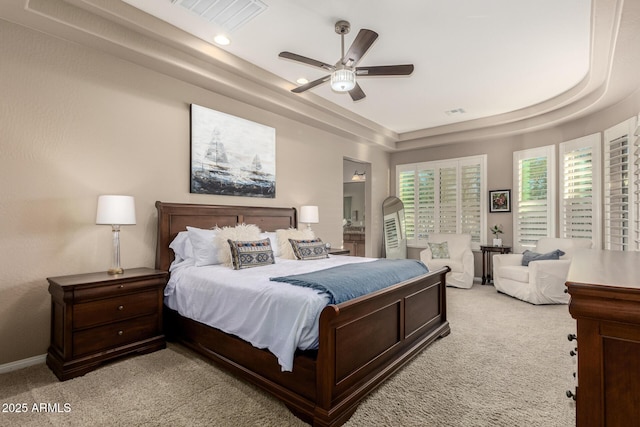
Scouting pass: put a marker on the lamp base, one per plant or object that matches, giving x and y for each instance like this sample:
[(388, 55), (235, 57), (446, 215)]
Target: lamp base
[(115, 270)]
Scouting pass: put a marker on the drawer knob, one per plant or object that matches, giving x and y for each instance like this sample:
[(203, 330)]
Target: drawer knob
[(121, 307), (572, 337), (571, 395), (120, 332), (121, 286), (574, 352)]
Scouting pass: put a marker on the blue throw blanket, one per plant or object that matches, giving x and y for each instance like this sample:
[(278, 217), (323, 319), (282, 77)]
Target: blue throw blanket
[(349, 281)]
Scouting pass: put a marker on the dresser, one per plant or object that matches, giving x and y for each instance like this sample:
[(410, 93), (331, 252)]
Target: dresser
[(97, 317), (605, 301)]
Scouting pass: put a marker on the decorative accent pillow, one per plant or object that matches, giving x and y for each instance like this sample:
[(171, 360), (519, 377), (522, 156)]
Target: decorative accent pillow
[(283, 236), (181, 246), (250, 253), (271, 235), (528, 256), (241, 232), (439, 250), (205, 249), (309, 249)]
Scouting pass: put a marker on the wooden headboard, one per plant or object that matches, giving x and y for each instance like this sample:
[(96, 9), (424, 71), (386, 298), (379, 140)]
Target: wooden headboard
[(174, 217)]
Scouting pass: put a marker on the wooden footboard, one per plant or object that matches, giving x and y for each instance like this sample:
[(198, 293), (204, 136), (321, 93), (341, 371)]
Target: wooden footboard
[(365, 340)]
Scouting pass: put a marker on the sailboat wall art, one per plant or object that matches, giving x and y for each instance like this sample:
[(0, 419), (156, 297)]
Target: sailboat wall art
[(231, 156)]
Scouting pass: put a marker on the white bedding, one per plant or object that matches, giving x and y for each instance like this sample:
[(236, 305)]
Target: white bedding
[(272, 315)]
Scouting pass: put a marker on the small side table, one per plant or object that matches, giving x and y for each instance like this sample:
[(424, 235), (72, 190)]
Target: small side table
[(339, 252), (487, 260)]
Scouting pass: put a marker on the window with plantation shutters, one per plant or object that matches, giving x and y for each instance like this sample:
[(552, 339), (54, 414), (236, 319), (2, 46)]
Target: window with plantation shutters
[(620, 190), (636, 183), (407, 193), (534, 201), (580, 178), (444, 197)]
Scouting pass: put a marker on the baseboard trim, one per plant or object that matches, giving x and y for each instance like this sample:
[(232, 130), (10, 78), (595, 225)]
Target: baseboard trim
[(24, 363)]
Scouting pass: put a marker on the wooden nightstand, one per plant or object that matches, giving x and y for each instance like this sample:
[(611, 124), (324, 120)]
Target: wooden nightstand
[(339, 252), (96, 317)]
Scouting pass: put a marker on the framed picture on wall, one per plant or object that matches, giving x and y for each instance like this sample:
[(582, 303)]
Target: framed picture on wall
[(500, 201), (231, 156)]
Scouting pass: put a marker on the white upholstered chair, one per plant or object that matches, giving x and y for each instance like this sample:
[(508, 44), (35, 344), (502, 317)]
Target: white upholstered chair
[(460, 258), (543, 281)]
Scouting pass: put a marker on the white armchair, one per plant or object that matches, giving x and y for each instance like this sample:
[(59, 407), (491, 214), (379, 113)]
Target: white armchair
[(543, 281), (460, 258)]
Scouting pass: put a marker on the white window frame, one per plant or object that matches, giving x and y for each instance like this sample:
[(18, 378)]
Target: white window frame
[(613, 236), (549, 152), (458, 163), (591, 145)]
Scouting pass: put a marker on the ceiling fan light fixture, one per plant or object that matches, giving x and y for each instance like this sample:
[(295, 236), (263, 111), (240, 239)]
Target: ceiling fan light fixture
[(343, 80)]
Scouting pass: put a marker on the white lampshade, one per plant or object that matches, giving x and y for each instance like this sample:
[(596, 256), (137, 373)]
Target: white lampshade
[(116, 210), (309, 214), (343, 80)]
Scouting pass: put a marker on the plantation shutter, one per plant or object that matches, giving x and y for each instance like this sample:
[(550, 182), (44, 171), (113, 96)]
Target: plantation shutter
[(444, 197), (580, 186), (636, 184), (426, 202), (448, 209), (407, 193), (534, 207), (470, 201), (620, 204)]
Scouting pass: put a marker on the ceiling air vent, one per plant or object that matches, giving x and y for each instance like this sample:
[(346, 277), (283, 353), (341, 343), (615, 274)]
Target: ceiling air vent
[(229, 14)]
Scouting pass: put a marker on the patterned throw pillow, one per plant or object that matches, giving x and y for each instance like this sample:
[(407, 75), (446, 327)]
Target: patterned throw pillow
[(254, 253), (439, 250), (240, 233), (309, 249), (283, 236), (528, 256)]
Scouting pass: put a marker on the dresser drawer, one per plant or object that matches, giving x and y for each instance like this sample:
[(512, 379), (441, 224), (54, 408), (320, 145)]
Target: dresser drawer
[(105, 291), (111, 310), (114, 335)]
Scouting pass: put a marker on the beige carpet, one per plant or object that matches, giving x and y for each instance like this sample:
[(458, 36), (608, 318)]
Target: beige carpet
[(506, 363)]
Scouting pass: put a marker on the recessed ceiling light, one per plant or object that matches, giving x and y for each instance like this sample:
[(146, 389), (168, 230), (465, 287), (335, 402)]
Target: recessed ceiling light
[(222, 40), (302, 81)]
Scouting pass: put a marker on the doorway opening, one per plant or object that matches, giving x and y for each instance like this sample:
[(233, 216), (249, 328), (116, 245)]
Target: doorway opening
[(355, 205)]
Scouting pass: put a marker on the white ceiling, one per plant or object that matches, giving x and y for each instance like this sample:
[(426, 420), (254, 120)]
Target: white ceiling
[(513, 66), (486, 57)]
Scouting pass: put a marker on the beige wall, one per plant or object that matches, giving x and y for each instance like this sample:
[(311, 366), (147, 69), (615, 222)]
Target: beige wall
[(76, 123), (500, 154)]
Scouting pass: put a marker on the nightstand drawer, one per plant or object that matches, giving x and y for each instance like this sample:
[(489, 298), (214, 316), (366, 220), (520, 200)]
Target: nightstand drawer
[(114, 335), (106, 291), (111, 310)]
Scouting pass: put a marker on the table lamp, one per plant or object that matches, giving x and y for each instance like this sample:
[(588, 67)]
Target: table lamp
[(116, 211)]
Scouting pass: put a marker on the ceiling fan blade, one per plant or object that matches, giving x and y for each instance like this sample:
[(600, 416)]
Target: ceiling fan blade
[(357, 93), (310, 85), (385, 70), (359, 47), (305, 60)]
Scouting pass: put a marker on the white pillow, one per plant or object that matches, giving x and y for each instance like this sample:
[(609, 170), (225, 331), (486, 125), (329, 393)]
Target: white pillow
[(283, 236), (205, 251), (181, 246), (271, 235), (243, 232)]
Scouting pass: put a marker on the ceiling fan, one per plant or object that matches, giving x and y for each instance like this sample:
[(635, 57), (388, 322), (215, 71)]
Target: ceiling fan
[(344, 72)]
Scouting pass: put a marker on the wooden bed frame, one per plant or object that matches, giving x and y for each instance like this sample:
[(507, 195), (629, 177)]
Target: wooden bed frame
[(362, 341)]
